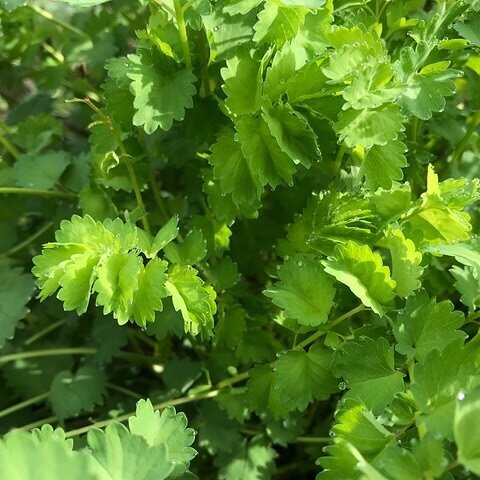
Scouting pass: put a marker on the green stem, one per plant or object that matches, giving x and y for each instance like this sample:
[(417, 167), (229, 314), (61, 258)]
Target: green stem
[(24, 404), (157, 196), (459, 151), (44, 331), (328, 327), (52, 352), (27, 241), (123, 390), (136, 188), (232, 380), (182, 30), (57, 21), (158, 406), (38, 192), (9, 146), (38, 423), (313, 440)]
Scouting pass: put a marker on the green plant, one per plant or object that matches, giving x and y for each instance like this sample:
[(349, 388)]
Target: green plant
[(275, 205)]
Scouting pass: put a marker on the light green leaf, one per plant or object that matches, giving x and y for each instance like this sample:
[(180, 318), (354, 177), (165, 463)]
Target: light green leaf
[(466, 431), (73, 393), (367, 128), (470, 28), (165, 235), (160, 96), (383, 164), (368, 369), (124, 456), (425, 325), (406, 269), (304, 291), (467, 283), (364, 273), (190, 251), (165, 428), (192, 298)]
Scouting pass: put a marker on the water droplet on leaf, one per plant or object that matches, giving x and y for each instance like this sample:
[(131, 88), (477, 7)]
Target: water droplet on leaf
[(342, 385)]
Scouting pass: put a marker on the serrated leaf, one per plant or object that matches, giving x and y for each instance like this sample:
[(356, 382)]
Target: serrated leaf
[(367, 366), (425, 325), (467, 283), (40, 171), (406, 269), (124, 456), (367, 128), (278, 24), (160, 97), (73, 393), (297, 378), (165, 235), (190, 251), (383, 164), (165, 428), (466, 432), (192, 298), (16, 288), (292, 133), (356, 424), (362, 270), (304, 291), (470, 28), (253, 461)]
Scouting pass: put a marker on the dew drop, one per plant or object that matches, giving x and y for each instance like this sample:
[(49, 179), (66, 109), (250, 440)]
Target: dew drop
[(299, 263), (215, 29), (331, 433), (342, 385), (461, 396)]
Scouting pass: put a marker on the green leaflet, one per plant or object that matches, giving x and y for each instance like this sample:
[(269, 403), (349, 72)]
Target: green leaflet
[(362, 270), (305, 292), (108, 262)]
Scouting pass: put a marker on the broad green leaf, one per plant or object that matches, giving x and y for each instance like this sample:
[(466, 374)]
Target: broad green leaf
[(165, 428), (362, 270), (304, 291), (243, 85), (292, 133), (192, 298), (24, 456), (406, 269), (160, 96), (254, 460), (124, 456), (383, 164), (467, 283), (278, 24), (165, 235), (74, 393), (40, 171), (425, 325), (466, 431), (190, 251), (470, 28), (297, 378), (236, 176), (264, 157), (436, 384), (16, 288), (367, 366), (147, 298), (367, 128), (340, 463), (36, 132), (356, 424)]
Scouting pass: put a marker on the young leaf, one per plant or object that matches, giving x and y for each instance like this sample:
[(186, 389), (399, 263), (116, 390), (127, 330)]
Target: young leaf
[(364, 273), (305, 292)]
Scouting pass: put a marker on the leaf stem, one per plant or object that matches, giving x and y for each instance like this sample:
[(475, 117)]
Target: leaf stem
[(24, 404), (38, 423), (9, 146), (37, 192), (158, 406), (126, 391), (182, 30), (332, 324), (460, 150), (51, 352), (57, 21), (44, 331), (157, 195), (27, 241)]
